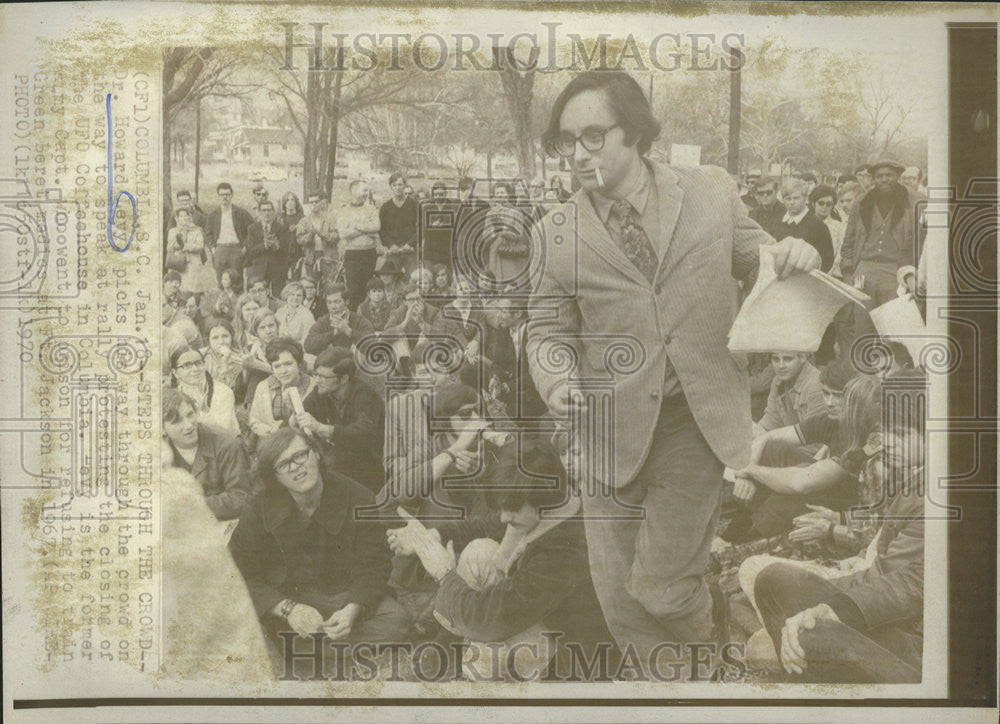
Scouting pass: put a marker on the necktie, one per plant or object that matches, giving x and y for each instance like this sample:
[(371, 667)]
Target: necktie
[(635, 242)]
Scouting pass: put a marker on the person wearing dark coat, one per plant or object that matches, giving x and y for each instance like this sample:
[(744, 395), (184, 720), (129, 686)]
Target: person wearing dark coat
[(216, 460), (269, 248), (769, 211), (227, 229), (512, 582), (346, 417), (339, 327), (310, 565)]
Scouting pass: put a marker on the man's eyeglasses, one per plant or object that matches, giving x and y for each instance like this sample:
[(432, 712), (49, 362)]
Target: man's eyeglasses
[(764, 192), (225, 194), (592, 139), (294, 462), (825, 202), (260, 193), (193, 364)]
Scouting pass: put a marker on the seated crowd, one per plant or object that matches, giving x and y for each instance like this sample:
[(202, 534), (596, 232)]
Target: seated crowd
[(277, 402)]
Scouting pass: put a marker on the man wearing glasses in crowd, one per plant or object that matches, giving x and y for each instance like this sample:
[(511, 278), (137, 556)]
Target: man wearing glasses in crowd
[(227, 228), (310, 566), (260, 195), (656, 256), (769, 212)]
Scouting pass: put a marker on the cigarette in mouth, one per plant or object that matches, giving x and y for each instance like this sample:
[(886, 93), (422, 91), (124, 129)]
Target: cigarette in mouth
[(600, 179)]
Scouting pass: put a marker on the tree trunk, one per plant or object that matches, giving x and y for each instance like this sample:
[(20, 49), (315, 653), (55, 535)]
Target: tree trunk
[(309, 150), (331, 148), (323, 132), (518, 89)]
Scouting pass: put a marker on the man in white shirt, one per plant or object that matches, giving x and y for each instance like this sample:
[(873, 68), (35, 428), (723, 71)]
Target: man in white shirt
[(227, 229)]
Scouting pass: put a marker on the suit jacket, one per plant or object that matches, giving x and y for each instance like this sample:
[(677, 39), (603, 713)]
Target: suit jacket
[(222, 467), (622, 329), (359, 424), (241, 222), (262, 258), (356, 558)]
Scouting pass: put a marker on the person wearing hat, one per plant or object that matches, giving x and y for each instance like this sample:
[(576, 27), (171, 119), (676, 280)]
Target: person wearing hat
[(395, 282), (882, 235), (345, 417)]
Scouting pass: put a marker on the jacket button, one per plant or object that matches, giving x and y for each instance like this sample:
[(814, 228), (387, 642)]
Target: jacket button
[(654, 394), (668, 339)]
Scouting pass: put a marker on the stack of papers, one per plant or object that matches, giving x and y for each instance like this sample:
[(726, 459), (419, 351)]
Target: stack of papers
[(791, 314)]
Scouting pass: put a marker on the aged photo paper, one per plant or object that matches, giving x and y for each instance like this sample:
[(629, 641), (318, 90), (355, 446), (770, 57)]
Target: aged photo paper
[(394, 360)]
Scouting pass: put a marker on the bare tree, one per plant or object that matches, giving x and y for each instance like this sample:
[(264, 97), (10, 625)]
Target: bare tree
[(189, 76), (518, 79), (318, 101)]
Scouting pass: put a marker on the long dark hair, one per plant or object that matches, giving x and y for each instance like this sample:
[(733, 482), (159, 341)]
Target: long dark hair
[(862, 410), (270, 449), (182, 350)]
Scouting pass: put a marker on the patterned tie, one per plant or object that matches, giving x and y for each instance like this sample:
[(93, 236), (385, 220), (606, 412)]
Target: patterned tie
[(635, 242)]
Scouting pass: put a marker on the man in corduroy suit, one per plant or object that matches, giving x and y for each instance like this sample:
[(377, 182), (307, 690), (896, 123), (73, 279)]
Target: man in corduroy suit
[(652, 264)]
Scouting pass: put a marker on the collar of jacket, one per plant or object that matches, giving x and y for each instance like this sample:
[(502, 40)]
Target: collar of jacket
[(545, 525), (595, 233), (208, 448), (901, 200), (278, 509)]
